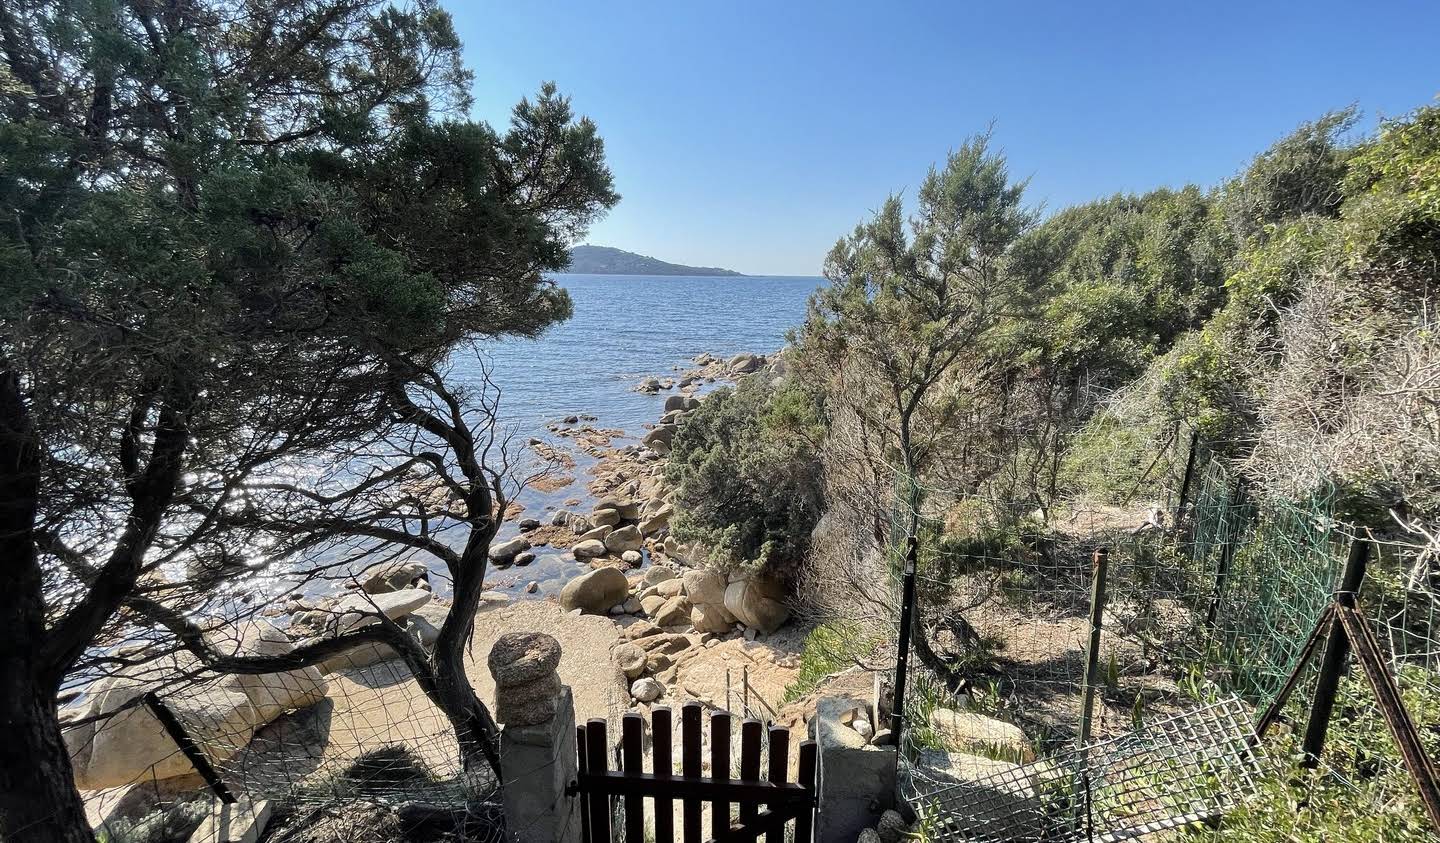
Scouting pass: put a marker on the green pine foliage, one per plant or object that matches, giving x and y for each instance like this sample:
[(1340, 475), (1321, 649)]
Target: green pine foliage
[(746, 465)]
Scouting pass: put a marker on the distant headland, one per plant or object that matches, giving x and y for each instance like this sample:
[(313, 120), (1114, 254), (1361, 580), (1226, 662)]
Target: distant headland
[(607, 260)]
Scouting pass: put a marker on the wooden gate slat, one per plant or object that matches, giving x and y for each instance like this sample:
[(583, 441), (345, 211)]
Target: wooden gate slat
[(690, 768), (596, 762), (662, 763), (750, 732), (805, 777), (632, 739), (582, 747), (779, 768), (720, 769), (601, 789)]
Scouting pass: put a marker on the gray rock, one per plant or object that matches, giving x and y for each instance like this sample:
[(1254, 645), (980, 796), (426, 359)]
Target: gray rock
[(892, 827), (647, 689), (605, 517), (623, 539), (657, 521), (522, 657), (629, 658), (663, 434), (384, 577), (597, 534), (757, 602), (657, 574), (968, 731), (595, 592), (673, 612), (588, 549), (529, 703), (742, 364), (505, 551)]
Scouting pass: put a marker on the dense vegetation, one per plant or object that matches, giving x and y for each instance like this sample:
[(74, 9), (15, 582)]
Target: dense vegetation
[(240, 236), (975, 370), (1286, 315)]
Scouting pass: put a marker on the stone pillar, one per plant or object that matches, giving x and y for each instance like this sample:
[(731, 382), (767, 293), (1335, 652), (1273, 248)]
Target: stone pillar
[(537, 745), (857, 779)]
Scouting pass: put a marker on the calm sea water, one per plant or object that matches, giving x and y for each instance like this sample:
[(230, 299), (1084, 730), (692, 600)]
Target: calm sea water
[(627, 327), (624, 328)]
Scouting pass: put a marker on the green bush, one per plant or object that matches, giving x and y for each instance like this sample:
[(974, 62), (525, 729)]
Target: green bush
[(747, 469)]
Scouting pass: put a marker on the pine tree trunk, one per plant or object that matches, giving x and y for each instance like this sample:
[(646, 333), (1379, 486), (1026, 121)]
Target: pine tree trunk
[(38, 800)]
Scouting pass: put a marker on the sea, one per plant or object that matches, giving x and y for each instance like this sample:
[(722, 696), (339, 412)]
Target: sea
[(624, 328)]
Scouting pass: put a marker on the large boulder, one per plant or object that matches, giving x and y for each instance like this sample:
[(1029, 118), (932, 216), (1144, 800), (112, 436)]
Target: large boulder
[(628, 509), (656, 574), (595, 592), (221, 712), (272, 694), (663, 435), (673, 612), (588, 549), (656, 521), (389, 576), (711, 617), (357, 610), (623, 539), (969, 732), (605, 517), (705, 586), (992, 799), (757, 602), (742, 364), (674, 402)]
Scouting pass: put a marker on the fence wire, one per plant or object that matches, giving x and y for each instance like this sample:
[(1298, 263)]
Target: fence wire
[(1170, 773), (1202, 618), (350, 751)]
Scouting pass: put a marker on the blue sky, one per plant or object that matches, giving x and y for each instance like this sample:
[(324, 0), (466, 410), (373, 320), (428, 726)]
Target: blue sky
[(752, 135)]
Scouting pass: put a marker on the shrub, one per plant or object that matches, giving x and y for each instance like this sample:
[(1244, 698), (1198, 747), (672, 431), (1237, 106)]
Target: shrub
[(747, 470)]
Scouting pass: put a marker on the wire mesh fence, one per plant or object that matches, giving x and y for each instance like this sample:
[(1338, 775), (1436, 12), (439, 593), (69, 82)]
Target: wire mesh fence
[(1173, 772), (1212, 610), (356, 752)]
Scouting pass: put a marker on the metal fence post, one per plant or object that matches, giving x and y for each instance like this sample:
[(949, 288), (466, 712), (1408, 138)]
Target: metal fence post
[(1337, 653), (1188, 478), (902, 657), (1100, 565), (187, 745)]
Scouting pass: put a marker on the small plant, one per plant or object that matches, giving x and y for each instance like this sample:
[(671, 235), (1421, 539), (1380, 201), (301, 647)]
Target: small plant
[(829, 648)]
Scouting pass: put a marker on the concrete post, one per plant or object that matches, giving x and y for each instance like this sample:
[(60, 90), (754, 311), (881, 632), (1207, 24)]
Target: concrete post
[(538, 760), (857, 779)]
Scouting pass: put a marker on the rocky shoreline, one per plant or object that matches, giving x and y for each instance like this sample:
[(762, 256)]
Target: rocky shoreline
[(671, 630)]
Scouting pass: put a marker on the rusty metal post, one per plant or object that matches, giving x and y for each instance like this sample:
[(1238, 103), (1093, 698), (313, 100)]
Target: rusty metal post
[(902, 655), (1337, 654), (1100, 564), (187, 745)]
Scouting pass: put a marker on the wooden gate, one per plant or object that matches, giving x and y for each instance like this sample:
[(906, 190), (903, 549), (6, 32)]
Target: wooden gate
[(765, 803)]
